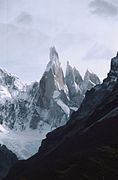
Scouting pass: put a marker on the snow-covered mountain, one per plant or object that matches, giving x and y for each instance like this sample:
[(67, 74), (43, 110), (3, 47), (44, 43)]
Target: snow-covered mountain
[(49, 101), (41, 106), (87, 146), (9, 85)]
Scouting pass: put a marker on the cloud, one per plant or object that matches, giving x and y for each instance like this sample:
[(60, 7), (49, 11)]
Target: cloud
[(103, 8), (98, 52), (29, 27), (24, 18)]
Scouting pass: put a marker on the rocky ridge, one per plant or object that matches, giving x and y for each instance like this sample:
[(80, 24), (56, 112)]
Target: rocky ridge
[(87, 146)]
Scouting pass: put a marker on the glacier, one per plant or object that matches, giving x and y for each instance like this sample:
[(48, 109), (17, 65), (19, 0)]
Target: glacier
[(24, 144)]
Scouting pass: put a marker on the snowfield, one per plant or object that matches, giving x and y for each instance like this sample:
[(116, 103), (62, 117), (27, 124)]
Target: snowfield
[(24, 144)]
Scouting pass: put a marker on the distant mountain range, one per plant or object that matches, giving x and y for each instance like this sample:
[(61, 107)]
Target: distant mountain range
[(29, 112), (49, 101), (86, 147)]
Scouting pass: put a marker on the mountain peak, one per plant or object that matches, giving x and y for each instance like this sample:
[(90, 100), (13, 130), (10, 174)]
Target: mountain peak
[(88, 74), (69, 69), (54, 59), (113, 74), (3, 72), (114, 63), (90, 79), (53, 79), (53, 54), (78, 77)]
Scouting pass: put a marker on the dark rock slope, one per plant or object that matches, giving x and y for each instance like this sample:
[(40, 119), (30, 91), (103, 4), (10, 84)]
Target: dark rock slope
[(86, 148), (7, 160)]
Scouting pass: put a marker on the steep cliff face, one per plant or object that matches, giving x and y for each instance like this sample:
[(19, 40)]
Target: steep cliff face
[(86, 147), (113, 74), (52, 80), (77, 86), (53, 92), (78, 77), (70, 80)]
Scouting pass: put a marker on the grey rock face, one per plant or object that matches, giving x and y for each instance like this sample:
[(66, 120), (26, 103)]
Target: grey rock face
[(70, 81), (78, 77), (77, 86), (90, 80), (113, 74), (52, 87), (52, 80), (73, 80)]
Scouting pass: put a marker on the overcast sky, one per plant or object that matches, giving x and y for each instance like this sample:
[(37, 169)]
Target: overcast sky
[(83, 32)]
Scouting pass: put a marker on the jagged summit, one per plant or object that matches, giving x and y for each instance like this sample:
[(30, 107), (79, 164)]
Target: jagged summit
[(78, 77), (54, 60), (2, 70), (69, 70), (4, 74), (70, 80), (54, 72), (113, 73), (73, 80), (53, 54), (9, 85), (89, 72), (114, 64), (90, 80), (77, 86), (74, 73), (90, 76)]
